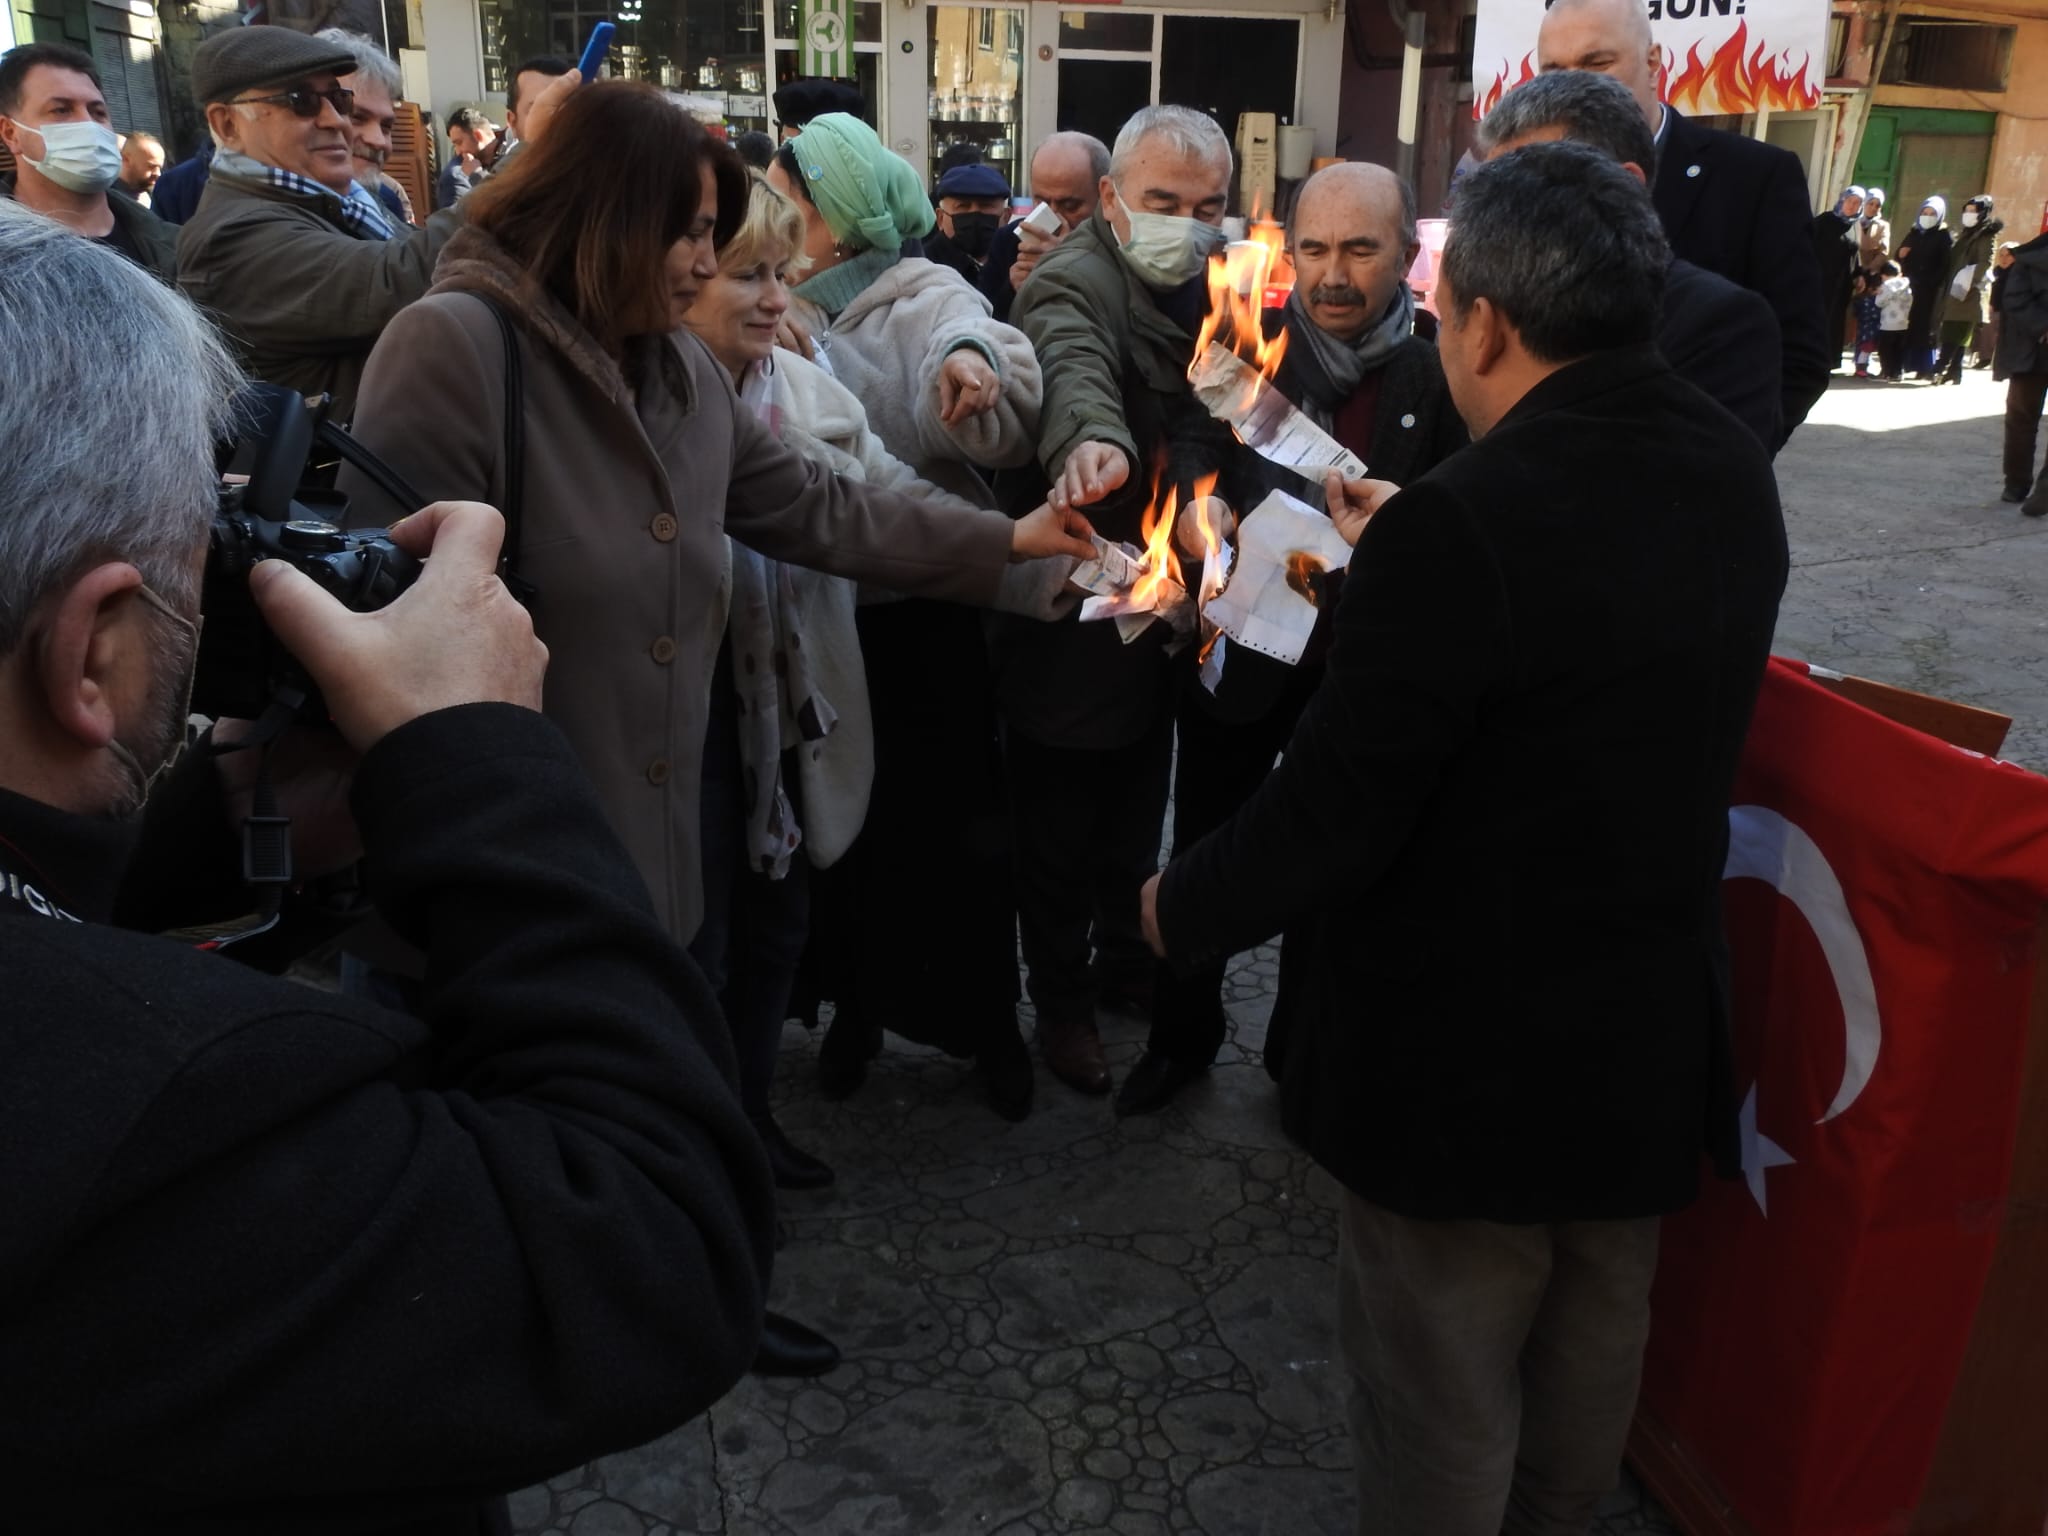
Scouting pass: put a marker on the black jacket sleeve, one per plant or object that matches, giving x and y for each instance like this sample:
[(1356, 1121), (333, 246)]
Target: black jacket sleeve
[(342, 1260), (1783, 271), (1728, 346), (1421, 637)]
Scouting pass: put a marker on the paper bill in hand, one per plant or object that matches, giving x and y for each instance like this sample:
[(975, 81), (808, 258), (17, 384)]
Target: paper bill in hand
[(1113, 569), (1283, 550), (1264, 420)]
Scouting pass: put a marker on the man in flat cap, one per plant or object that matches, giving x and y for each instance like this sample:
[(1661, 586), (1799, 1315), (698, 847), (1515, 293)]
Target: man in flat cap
[(972, 201), (301, 266)]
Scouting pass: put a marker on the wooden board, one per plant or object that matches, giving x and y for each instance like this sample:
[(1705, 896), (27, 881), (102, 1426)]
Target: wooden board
[(410, 165), (1960, 725)]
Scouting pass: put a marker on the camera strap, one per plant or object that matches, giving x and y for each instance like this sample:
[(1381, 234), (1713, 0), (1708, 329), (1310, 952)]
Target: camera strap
[(514, 451)]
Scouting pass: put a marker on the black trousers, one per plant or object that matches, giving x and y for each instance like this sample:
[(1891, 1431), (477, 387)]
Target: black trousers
[(1086, 827), (2025, 394), (1219, 768), (1891, 353)]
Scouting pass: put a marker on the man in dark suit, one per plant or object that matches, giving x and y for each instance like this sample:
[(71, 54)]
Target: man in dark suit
[(1732, 205), (1505, 813), (1714, 334), (1354, 366)]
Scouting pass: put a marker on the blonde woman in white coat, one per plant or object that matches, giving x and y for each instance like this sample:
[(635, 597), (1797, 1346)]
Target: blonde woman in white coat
[(918, 930), (790, 755)]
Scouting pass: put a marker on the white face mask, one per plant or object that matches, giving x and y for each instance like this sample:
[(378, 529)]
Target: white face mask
[(142, 777), (80, 157), (1929, 220), (1165, 251), (1970, 219)]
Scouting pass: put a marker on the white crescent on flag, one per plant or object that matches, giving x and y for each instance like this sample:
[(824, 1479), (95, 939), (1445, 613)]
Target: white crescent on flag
[(1763, 845)]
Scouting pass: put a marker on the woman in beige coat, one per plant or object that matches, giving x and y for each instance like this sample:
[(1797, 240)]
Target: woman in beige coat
[(630, 460)]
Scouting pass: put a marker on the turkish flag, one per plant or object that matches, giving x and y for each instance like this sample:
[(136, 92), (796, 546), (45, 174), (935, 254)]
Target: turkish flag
[(1884, 895)]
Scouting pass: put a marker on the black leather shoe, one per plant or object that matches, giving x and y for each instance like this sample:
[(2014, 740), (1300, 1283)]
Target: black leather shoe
[(2013, 493), (788, 1348), (794, 1168), (1007, 1065), (1153, 1082), (843, 1056)]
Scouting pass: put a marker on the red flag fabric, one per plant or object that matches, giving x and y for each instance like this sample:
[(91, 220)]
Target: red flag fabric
[(1883, 896)]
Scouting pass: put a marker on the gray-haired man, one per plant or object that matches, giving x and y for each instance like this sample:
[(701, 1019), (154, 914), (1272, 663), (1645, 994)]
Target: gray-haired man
[(300, 1261), (1504, 818), (377, 85), (1112, 311)]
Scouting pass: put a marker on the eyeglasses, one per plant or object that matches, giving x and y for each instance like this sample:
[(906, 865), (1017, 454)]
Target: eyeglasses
[(304, 100)]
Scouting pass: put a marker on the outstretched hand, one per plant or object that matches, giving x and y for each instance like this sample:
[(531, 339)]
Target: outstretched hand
[(1091, 472), (1353, 502), (1050, 530), (967, 386)]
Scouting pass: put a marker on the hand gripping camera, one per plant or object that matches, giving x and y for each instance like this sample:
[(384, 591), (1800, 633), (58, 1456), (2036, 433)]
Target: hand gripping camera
[(281, 513)]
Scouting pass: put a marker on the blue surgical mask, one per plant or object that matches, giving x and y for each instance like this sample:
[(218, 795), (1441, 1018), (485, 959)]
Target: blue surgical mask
[(81, 157), (1165, 250)]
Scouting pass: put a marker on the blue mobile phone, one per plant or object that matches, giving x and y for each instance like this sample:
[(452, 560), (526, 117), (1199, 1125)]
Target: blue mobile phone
[(594, 51)]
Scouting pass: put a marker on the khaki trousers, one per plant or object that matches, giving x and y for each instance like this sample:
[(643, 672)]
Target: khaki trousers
[(1493, 1368)]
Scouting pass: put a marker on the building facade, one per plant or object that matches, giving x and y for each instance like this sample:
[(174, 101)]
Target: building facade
[(933, 72)]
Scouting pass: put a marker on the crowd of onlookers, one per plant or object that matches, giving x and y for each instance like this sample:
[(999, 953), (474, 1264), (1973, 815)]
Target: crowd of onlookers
[(1929, 300)]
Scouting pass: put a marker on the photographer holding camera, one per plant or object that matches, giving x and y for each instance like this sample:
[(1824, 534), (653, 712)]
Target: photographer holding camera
[(277, 1260)]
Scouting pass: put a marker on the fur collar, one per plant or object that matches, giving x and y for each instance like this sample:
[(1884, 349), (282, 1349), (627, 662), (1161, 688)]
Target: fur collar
[(474, 262)]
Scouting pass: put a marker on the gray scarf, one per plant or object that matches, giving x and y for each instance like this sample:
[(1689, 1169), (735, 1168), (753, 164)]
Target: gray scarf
[(1330, 370)]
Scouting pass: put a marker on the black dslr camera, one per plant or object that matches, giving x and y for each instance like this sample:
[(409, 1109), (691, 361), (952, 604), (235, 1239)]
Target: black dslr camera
[(282, 512)]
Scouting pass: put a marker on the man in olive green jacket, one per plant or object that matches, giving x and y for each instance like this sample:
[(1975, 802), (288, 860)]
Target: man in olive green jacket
[(1112, 312), (301, 267)]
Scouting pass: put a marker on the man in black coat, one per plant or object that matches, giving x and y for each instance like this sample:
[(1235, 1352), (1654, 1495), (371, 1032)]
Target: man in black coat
[(2022, 360), (1720, 337), (1505, 814), (1732, 205), (1355, 366), (277, 1260)]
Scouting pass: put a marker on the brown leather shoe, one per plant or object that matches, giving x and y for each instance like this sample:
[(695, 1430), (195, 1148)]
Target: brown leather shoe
[(1073, 1051)]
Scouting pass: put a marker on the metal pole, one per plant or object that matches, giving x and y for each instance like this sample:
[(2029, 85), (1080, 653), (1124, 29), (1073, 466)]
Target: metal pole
[(1412, 23)]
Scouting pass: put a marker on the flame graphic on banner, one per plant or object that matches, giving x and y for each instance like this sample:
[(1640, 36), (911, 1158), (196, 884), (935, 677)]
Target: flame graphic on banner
[(1490, 98), (1738, 79), (1735, 78)]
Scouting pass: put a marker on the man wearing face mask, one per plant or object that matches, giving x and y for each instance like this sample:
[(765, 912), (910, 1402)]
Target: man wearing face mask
[(1112, 312), (54, 121), (301, 1262), (971, 202)]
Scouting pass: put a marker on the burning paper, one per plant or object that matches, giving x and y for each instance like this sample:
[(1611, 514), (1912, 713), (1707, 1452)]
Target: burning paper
[(1264, 419), (1234, 365), (1113, 569), (1271, 598), (1135, 588)]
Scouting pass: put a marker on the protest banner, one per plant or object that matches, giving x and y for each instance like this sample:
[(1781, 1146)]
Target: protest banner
[(1719, 55)]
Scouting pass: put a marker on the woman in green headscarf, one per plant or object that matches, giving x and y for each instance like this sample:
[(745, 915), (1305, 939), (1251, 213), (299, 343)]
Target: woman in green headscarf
[(920, 933)]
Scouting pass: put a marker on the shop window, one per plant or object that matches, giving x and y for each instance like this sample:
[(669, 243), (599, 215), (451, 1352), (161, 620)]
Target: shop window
[(1950, 55)]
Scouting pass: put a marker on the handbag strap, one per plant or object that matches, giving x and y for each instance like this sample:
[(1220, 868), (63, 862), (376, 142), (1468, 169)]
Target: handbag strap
[(514, 450)]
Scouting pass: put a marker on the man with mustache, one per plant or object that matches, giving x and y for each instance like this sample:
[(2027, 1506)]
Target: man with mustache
[(1356, 367)]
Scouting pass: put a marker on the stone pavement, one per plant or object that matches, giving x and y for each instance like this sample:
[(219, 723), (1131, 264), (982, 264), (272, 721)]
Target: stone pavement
[(1076, 1325)]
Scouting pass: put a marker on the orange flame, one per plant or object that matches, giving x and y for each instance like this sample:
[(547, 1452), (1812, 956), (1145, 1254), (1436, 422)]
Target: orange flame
[(1737, 78), (1237, 293), (1487, 100), (1159, 565)]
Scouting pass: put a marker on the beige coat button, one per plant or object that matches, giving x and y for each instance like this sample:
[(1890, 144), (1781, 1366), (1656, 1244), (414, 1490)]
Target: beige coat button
[(663, 527), (657, 771), (663, 650)]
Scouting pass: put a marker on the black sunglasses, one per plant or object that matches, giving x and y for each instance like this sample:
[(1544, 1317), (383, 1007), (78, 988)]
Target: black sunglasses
[(304, 100)]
